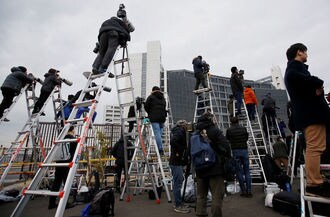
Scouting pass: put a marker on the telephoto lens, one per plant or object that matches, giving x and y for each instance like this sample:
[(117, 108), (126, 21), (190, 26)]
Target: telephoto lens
[(67, 82)]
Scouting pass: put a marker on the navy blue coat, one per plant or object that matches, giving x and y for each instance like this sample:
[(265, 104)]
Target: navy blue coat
[(308, 108), (16, 80)]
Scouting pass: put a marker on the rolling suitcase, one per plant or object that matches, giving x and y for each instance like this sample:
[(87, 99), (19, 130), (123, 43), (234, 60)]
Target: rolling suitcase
[(287, 203)]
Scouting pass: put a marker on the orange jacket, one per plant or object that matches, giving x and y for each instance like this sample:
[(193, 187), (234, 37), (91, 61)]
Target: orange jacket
[(249, 96)]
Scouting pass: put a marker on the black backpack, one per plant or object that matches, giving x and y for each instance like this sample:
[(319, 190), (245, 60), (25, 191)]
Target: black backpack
[(103, 203)]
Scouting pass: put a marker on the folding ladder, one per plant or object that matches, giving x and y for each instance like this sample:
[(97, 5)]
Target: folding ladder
[(48, 161), (167, 128), (271, 132), (27, 148), (307, 198), (256, 144), (126, 99), (292, 156)]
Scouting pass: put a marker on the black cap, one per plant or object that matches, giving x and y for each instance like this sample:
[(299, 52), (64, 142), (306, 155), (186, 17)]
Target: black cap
[(155, 88), (53, 71), (22, 68)]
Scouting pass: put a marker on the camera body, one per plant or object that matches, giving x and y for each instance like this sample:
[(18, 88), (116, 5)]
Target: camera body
[(241, 72), (206, 67), (97, 47), (121, 13), (139, 102)]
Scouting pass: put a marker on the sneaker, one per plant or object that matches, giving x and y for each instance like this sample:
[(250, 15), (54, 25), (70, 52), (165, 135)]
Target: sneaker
[(43, 114), (249, 195), (181, 209), (5, 120), (111, 75), (320, 190), (95, 71)]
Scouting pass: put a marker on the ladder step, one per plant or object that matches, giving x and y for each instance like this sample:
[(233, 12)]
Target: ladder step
[(129, 119), (202, 90), (42, 192), (66, 140), (57, 100), (84, 103), (121, 61), (126, 104), (91, 89), (75, 120), (123, 75), (125, 90), (54, 164)]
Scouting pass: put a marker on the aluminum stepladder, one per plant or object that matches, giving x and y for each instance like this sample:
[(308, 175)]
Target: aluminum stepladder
[(309, 199), (28, 136), (5, 114), (271, 132), (292, 156), (48, 161), (126, 99), (256, 144)]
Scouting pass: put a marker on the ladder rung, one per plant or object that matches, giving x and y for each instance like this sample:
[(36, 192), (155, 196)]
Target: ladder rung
[(54, 164), (92, 77), (125, 90), (126, 104), (202, 90), (123, 75), (84, 103), (66, 140), (130, 119), (91, 89), (121, 61), (75, 120), (42, 192)]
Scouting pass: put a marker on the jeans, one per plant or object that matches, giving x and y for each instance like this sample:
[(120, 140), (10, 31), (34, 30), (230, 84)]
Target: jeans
[(177, 174), (251, 109), (242, 171), (85, 109), (109, 41), (238, 97), (158, 131), (217, 188)]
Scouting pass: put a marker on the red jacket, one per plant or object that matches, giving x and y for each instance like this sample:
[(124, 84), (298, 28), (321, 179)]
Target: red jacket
[(249, 96)]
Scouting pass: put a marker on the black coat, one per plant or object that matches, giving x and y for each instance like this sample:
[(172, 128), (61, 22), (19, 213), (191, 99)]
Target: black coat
[(50, 82), (155, 106), (308, 108), (115, 24), (219, 144), (237, 136), (16, 80), (198, 65), (236, 83), (118, 152), (178, 146)]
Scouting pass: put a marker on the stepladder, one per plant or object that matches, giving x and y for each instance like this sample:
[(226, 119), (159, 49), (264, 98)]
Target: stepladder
[(50, 161), (28, 149)]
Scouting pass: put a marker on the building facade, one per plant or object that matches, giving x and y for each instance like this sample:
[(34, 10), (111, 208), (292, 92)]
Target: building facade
[(111, 114)]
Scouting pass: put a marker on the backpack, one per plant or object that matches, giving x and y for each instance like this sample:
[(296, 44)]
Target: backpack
[(63, 152), (202, 154), (102, 203)]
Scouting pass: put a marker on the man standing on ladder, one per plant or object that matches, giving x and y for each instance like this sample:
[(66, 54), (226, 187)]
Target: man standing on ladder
[(12, 86), (113, 32), (201, 68), (155, 106), (310, 113), (236, 85)]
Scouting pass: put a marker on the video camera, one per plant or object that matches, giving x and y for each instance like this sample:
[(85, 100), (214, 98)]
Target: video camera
[(66, 81), (36, 79), (241, 72), (121, 13), (206, 67)]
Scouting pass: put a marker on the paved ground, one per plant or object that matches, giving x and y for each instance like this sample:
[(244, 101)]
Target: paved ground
[(141, 206)]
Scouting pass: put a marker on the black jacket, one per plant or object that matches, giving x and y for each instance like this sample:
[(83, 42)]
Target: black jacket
[(50, 82), (178, 146), (16, 80), (118, 152), (115, 24), (155, 106), (198, 65), (308, 108), (219, 144), (73, 147), (237, 136), (236, 83)]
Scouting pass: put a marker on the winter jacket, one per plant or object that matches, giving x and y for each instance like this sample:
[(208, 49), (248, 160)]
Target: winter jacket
[(308, 108), (16, 80), (118, 152), (118, 25), (236, 83), (280, 150), (178, 146), (219, 144), (155, 106), (50, 82), (268, 103), (249, 96), (237, 136), (198, 65)]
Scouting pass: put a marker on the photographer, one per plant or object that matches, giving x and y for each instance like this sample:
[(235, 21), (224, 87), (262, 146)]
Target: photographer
[(131, 113), (201, 68), (113, 32), (51, 80), (12, 86)]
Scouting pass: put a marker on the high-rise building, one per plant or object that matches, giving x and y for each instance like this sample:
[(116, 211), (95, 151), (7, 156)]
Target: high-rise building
[(181, 83), (111, 114)]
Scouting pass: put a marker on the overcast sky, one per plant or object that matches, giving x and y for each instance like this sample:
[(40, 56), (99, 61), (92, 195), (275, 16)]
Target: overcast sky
[(250, 34)]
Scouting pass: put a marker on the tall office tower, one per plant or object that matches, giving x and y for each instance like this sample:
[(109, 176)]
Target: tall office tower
[(111, 114)]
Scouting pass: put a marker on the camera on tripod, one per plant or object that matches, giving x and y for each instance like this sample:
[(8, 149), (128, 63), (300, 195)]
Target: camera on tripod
[(121, 13)]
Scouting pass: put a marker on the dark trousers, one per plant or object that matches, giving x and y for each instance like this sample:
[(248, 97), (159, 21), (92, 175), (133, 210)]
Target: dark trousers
[(8, 96), (118, 169), (130, 126), (251, 111), (61, 173), (41, 101), (109, 41), (200, 79)]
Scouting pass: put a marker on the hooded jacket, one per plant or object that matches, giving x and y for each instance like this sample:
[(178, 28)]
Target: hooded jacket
[(118, 25), (236, 83), (16, 80), (308, 108), (178, 146), (249, 96), (219, 144), (155, 106), (50, 82)]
